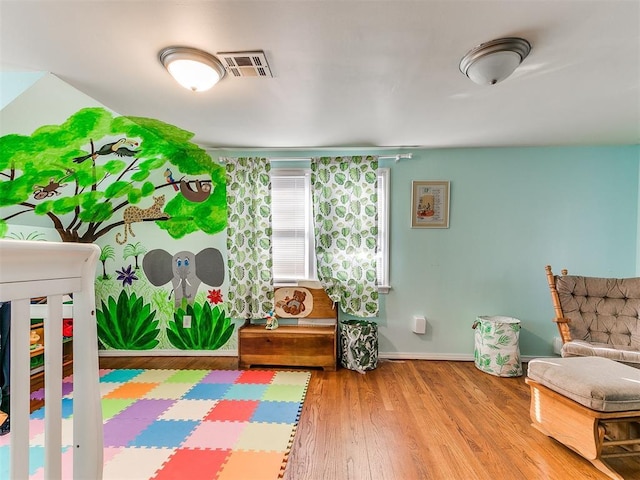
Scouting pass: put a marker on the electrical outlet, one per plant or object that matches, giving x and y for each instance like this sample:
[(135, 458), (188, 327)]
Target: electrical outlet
[(186, 321), (419, 325)]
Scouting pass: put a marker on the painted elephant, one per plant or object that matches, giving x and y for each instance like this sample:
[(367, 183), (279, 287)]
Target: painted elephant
[(185, 270)]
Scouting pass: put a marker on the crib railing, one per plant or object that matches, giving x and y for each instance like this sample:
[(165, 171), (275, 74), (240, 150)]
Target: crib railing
[(45, 269)]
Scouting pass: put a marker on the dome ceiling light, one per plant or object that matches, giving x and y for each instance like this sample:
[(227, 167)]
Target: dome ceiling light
[(194, 69), (492, 62)]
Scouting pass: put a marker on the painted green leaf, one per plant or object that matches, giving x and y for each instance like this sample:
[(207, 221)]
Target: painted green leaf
[(117, 189), (147, 189), (140, 175), (127, 324)]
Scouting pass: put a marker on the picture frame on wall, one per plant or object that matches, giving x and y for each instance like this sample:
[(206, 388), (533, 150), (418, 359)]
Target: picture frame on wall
[(430, 204)]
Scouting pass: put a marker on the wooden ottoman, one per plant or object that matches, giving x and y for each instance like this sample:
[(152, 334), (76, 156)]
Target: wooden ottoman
[(590, 404)]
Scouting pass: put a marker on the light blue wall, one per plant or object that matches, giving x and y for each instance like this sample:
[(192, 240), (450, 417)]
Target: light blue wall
[(12, 84), (513, 211)]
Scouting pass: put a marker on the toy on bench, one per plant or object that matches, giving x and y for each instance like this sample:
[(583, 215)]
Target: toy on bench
[(589, 404)]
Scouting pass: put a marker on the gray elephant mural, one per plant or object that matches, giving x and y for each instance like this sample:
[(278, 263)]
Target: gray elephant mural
[(185, 270)]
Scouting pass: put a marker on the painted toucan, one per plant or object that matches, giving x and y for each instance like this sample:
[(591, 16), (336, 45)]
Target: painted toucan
[(119, 148), (169, 176)]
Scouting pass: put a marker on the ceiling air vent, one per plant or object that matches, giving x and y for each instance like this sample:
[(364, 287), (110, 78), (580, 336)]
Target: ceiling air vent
[(245, 64)]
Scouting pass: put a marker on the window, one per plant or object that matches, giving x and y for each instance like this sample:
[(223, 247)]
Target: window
[(292, 227)]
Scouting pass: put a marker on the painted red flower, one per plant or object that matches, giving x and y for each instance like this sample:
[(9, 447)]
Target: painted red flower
[(215, 296)]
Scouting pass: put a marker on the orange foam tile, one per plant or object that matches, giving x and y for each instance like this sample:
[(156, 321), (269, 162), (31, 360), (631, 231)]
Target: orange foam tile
[(131, 390), (253, 465)]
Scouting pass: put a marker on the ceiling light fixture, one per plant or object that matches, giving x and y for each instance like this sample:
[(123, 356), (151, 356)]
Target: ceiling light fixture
[(192, 68), (492, 62)]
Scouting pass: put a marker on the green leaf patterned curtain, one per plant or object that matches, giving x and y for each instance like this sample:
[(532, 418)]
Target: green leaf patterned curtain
[(345, 206), (249, 237)]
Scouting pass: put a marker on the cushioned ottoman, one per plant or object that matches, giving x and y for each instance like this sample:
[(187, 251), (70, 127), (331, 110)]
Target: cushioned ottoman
[(590, 404)]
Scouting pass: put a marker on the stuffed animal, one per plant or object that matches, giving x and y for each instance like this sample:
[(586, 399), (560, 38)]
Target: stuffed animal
[(272, 321)]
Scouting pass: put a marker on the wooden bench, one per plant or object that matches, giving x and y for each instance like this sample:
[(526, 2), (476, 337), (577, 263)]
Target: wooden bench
[(589, 404), (297, 345)]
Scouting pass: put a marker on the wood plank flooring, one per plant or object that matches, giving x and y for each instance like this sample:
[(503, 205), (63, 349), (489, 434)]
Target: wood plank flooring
[(406, 420)]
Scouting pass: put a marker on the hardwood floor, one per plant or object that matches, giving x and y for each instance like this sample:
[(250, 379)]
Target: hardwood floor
[(417, 420)]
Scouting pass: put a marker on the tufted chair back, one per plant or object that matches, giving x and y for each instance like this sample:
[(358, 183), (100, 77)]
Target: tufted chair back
[(601, 310)]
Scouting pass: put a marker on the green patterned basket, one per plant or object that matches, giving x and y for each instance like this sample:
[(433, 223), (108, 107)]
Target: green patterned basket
[(358, 345), (497, 348)]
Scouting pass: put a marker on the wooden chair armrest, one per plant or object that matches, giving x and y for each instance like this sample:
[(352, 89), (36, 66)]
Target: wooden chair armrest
[(562, 320)]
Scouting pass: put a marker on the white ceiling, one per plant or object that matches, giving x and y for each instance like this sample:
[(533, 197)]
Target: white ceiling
[(348, 73)]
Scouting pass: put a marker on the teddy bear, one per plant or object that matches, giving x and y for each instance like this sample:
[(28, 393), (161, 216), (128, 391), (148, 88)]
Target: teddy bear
[(295, 305)]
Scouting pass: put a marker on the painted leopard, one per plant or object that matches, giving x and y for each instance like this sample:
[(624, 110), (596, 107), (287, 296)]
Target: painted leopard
[(133, 214)]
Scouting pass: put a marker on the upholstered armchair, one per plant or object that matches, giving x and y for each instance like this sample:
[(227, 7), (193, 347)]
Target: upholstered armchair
[(597, 316)]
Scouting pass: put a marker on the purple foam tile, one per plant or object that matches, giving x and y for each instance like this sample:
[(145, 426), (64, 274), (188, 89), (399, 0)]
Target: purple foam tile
[(67, 388), (221, 376), (38, 394), (119, 432), (146, 408)]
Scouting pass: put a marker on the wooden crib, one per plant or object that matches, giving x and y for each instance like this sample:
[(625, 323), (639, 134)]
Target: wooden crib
[(45, 269)]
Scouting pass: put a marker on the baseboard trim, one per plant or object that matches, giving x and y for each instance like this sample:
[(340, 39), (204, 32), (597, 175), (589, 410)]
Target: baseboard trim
[(456, 357), (451, 357), (167, 353)]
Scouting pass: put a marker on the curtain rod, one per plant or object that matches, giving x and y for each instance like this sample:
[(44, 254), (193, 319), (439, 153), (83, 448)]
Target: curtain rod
[(396, 157)]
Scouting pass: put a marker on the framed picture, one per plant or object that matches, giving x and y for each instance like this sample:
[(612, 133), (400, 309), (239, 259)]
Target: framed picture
[(430, 205)]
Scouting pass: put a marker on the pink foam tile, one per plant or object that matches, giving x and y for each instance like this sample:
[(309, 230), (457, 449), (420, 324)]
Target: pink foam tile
[(66, 464), (36, 432), (222, 435)]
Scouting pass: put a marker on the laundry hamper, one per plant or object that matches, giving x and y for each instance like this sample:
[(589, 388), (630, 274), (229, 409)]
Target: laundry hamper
[(358, 345), (497, 349)]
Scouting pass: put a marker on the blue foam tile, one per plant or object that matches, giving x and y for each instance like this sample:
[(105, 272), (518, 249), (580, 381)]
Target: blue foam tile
[(4, 461), (207, 391), (67, 410), (120, 376), (36, 459), (276, 412), (247, 391), (165, 434)]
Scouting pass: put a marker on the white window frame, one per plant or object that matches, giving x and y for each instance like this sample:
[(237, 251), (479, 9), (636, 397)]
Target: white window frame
[(384, 202), (382, 256)]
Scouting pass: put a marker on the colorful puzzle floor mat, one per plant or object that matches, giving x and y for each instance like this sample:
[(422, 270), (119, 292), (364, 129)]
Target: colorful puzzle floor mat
[(183, 424)]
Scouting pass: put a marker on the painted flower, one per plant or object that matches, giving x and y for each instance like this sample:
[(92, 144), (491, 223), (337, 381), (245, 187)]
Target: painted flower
[(215, 296), (127, 275)]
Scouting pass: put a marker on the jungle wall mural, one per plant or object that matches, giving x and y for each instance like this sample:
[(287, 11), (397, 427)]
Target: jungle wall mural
[(151, 199)]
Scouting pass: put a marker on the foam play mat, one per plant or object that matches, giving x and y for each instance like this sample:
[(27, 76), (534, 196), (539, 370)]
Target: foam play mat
[(177, 424)]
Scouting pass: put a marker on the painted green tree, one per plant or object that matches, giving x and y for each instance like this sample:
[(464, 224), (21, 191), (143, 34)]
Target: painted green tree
[(134, 250), (83, 174), (106, 253)]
